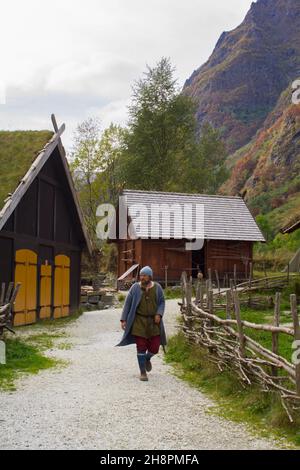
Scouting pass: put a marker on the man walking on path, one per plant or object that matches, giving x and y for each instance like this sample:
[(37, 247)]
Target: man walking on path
[(142, 321)]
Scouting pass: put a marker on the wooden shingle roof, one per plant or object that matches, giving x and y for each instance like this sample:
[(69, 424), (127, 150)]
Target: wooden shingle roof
[(225, 218)]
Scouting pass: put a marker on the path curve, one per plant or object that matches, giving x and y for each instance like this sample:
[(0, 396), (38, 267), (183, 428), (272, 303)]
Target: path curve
[(97, 401)]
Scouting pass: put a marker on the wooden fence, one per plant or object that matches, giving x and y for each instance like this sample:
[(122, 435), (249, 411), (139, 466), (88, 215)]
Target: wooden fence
[(231, 348), (7, 299), (268, 282)]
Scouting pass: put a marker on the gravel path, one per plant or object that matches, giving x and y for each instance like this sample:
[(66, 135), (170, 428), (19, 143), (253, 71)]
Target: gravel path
[(97, 401)]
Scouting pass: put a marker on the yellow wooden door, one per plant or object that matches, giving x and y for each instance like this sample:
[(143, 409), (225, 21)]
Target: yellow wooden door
[(45, 291), (61, 286), (26, 275)]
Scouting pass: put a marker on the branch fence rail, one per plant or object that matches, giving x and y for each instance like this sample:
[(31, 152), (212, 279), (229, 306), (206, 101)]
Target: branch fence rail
[(231, 348)]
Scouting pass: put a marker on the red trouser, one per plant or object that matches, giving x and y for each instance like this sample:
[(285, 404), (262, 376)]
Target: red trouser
[(147, 344)]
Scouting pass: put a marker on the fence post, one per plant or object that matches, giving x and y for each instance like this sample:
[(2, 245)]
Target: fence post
[(201, 293), (183, 288), (198, 291), (228, 305), (297, 336), (207, 294), (211, 305), (209, 278), (266, 275), (234, 275), (232, 290), (250, 283), (251, 273), (211, 302), (275, 336), (239, 323), (166, 277), (218, 281), (189, 291)]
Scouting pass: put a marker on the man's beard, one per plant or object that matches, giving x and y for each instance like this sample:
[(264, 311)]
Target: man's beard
[(146, 283)]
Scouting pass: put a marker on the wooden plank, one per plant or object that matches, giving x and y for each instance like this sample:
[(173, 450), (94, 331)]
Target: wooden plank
[(129, 271), (15, 293), (8, 292)]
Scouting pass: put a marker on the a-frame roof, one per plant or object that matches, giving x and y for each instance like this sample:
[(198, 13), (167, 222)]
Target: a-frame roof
[(33, 169)]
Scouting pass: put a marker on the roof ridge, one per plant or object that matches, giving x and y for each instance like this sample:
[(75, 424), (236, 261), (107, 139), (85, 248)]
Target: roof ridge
[(182, 194)]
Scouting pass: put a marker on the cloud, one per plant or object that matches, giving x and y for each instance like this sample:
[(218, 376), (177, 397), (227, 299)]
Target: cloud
[(98, 75), (79, 58)]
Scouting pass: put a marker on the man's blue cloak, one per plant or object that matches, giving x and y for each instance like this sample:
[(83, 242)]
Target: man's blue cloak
[(128, 314)]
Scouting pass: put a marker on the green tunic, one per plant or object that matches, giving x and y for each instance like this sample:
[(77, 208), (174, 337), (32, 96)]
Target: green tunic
[(144, 324)]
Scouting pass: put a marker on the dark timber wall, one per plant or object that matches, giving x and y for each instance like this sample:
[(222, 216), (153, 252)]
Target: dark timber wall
[(45, 224)]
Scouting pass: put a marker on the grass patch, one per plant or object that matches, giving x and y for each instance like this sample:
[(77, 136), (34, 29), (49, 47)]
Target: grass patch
[(64, 346), (23, 357), (263, 411), (25, 353), (259, 315), (173, 293), (52, 324), (17, 151), (265, 337), (121, 297)]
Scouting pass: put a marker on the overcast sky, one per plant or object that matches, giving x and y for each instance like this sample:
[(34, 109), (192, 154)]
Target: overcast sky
[(79, 58)]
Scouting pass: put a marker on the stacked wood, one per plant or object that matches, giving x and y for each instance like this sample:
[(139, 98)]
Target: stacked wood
[(87, 290), (231, 348)]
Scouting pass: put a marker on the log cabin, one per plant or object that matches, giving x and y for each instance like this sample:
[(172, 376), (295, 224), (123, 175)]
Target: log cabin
[(229, 234), (42, 231)]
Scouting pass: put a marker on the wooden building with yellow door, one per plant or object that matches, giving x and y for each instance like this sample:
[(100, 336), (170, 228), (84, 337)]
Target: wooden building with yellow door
[(42, 232)]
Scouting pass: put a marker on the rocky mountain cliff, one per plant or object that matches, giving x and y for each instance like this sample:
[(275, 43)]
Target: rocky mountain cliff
[(267, 170), (238, 87), (244, 89)]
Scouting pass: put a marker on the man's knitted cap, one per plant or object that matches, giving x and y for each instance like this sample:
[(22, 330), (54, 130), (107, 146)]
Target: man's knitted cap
[(146, 271)]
